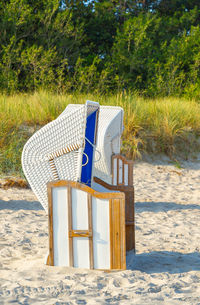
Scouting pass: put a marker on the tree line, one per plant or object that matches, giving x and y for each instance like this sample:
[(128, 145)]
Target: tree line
[(151, 47)]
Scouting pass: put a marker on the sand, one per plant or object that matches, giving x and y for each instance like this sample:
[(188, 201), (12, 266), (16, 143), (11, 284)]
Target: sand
[(165, 269)]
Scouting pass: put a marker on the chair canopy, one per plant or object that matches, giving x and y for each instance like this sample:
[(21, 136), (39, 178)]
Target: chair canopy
[(55, 152)]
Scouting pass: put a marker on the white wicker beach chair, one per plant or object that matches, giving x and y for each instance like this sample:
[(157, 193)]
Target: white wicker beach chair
[(55, 152)]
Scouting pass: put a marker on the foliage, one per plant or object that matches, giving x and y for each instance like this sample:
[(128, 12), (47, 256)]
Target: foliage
[(149, 47)]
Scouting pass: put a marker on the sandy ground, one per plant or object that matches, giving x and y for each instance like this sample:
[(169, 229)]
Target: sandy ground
[(165, 269)]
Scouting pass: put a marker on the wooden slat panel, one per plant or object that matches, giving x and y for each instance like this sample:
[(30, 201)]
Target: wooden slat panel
[(91, 252), (126, 182), (71, 260), (130, 173), (81, 252), (123, 174), (123, 234), (101, 232), (130, 221), (120, 182), (117, 234), (60, 226), (79, 210), (114, 172), (111, 233), (51, 256)]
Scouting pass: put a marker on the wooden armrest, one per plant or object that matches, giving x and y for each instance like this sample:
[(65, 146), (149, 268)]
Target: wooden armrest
[(122, 171), (122, 188)]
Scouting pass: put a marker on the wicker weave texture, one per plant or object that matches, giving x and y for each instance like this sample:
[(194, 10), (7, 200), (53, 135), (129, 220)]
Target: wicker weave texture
[(61, 141)]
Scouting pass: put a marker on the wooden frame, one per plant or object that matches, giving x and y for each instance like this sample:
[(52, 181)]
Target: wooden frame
[(116, 224)]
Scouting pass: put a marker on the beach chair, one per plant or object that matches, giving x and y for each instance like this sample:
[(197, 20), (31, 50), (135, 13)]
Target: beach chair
[(90, 201)]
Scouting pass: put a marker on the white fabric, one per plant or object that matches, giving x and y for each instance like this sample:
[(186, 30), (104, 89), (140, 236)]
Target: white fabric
[(110, 129)]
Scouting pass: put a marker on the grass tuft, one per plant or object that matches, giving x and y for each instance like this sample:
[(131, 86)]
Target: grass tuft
[(168, 125)]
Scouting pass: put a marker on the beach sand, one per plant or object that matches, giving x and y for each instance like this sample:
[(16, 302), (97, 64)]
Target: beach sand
[(164, 270)]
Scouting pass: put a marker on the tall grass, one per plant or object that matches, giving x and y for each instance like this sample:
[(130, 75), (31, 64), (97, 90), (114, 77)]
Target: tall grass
[(168, 125)]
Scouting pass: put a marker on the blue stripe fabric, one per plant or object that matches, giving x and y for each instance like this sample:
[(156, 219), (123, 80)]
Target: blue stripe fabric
[(86, 174)]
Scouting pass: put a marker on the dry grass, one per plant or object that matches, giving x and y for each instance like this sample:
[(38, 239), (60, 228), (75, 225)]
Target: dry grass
[(169, 125)]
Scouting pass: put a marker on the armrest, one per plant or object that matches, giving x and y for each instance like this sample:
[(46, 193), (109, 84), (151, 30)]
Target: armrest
[(122, 171)]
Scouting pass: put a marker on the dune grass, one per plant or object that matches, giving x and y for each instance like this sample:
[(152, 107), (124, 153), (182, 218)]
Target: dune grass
[(167, 125)]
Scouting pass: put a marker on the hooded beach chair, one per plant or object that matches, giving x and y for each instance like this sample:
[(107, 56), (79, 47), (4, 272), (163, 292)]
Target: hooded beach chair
[(87, 214)]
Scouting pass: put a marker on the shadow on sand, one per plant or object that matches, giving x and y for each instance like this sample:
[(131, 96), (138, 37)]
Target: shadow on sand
[(163, 261), (16, 205), (156, 207)]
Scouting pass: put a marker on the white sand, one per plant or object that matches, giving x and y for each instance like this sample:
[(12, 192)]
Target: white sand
[(165, 269)]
